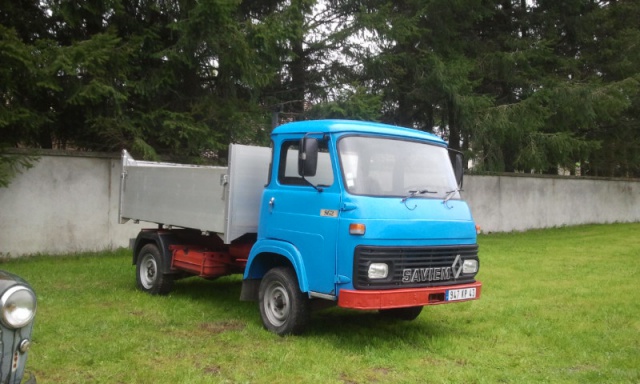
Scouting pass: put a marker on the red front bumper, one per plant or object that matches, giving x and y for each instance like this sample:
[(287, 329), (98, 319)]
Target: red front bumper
[(399, 298)]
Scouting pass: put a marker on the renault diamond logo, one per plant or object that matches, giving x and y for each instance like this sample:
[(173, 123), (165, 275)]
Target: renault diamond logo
[(457, 267)]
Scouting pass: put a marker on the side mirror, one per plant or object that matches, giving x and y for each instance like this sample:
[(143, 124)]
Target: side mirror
[(458, 167), (308, 157)]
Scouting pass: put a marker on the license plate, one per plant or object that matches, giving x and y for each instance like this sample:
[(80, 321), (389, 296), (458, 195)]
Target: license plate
[(461, 294)]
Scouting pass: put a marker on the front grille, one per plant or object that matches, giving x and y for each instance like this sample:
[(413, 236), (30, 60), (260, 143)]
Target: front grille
[(418, 266)]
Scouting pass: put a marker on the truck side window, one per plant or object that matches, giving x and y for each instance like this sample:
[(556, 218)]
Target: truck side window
[(288, 170)]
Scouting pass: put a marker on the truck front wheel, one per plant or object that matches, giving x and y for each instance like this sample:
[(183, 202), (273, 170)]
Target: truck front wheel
[(149, 276), (284, 309)]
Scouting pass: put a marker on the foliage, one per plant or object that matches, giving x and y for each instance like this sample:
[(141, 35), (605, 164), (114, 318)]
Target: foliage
[(11, 164), (168, 77), (354, 104), (21, 76), (518, 85)]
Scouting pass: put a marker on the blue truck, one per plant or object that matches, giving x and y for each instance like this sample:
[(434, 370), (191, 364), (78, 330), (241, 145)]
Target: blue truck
[(357, 214)]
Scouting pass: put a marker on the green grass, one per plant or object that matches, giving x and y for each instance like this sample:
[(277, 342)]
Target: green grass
[(560, 305)]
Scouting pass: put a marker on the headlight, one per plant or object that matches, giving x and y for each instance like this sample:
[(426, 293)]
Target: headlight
[(378, 271), (470, 266), (18, 306)]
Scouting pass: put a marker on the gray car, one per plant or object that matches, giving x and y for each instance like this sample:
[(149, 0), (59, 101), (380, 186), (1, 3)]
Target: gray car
[(18, 303)]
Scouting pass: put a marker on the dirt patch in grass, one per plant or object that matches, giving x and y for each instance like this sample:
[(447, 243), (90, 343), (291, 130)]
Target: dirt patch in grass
[(222, 326), (212, 370), (346, 380)]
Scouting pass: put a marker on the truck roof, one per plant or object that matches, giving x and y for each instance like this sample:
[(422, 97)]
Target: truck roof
[(353, 126)]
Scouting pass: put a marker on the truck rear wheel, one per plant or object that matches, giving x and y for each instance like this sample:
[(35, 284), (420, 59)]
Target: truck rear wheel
[(149, 276), (284, 309), (408, 314)]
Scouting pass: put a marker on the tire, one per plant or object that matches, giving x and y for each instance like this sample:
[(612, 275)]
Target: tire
[(149, 276), (284, 309), (407, 314)]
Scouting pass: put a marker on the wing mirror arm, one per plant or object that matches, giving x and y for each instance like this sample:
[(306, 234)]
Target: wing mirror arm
[(457, 160)]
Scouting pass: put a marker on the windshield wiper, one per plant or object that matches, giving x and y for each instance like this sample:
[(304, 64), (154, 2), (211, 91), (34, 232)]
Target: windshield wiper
[(449, 194), (414, 193)]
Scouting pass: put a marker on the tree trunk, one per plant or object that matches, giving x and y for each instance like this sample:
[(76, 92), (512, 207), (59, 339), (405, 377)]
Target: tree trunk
[(454, 128), (298, 78)]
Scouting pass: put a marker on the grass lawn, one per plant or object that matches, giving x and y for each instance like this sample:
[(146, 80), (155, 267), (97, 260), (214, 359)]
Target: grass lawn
[(560, 305)]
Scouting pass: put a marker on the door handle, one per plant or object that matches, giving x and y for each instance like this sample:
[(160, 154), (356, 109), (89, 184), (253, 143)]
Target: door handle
[(272, 203)]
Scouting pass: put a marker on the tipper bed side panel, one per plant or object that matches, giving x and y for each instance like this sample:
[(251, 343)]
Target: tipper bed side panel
[(182, 196)]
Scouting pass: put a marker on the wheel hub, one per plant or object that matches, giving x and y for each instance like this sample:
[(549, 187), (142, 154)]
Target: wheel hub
[(151, 272), (148, 271), (278, 302), (277, 305)]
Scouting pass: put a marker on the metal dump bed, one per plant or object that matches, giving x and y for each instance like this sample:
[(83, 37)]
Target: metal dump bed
[(221, 200)]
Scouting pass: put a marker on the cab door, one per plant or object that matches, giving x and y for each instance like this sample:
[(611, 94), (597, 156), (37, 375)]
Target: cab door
[(305, 213)]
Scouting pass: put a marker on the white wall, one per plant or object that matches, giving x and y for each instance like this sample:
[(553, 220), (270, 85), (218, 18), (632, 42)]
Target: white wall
[(63, 204), (69, 203), (516, 202)]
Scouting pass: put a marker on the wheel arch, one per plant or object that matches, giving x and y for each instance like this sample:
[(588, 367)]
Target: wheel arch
[(267, 254), (161, 239)]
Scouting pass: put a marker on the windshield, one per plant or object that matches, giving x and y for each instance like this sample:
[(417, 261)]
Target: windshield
[(387, 167)]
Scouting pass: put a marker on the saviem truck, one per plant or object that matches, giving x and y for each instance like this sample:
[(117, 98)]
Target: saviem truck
[(361, 215)]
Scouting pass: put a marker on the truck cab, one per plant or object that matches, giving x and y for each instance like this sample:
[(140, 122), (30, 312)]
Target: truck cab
[(367, 215)]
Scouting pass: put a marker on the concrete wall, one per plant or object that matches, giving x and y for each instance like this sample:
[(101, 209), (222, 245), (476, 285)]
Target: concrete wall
[(63, 204), (521, 202), (69, 203)]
